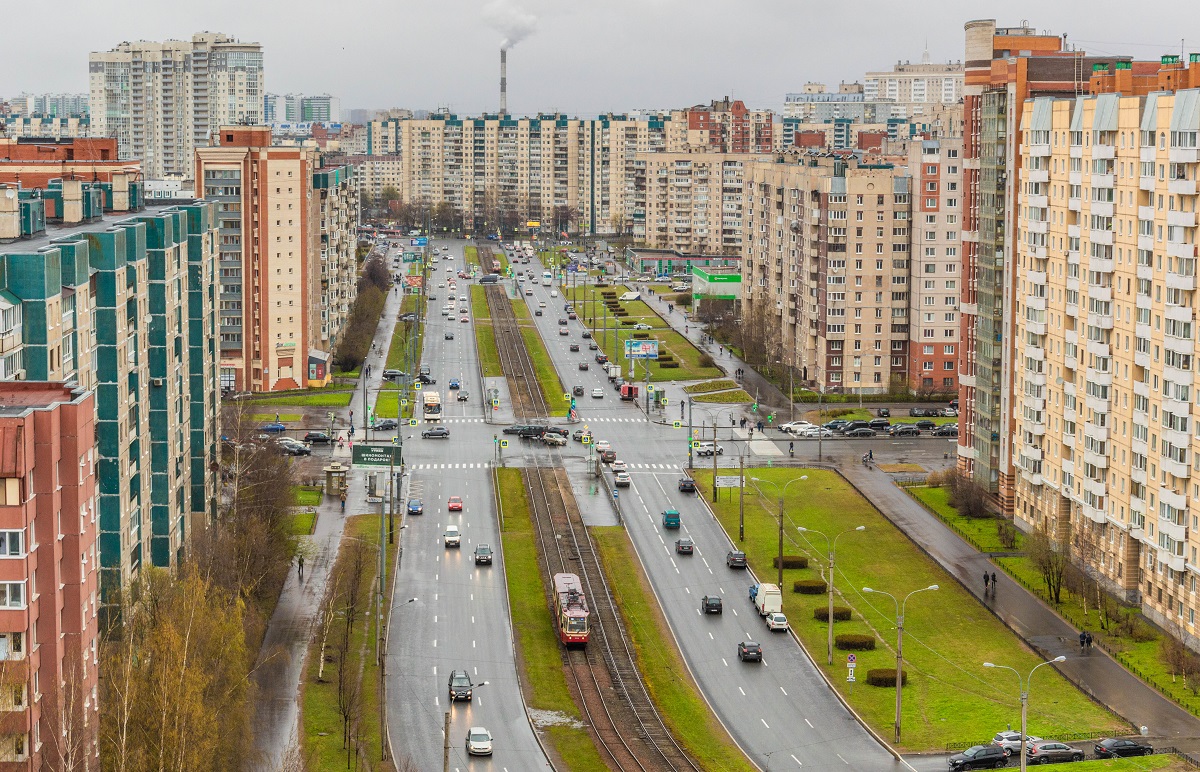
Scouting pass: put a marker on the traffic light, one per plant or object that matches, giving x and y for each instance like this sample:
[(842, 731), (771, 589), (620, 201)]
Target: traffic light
[(572, 403)]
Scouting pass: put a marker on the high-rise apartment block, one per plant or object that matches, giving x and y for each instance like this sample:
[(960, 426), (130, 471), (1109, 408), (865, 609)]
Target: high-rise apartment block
[(163, 100), (54, 105), (916, 89), (284, 284), (827, 267), (49, 605), (727, 126), (46, 126)]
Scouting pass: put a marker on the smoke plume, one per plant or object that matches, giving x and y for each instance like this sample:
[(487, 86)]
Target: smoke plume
[(510, 20)]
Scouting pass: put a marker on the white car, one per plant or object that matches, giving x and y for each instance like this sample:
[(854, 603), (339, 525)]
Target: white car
[(777, 622), (541, 304), (479, 741), (553, 293), (708, 449), (445, 312), (816, 431), (642, 326), (619, 466), (462, 298), (794, 427), (603, 445), (441, 285), (452, 537), (597, 393)]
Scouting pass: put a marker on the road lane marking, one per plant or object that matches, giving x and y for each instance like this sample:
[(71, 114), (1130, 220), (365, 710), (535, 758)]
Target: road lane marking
[(734, 611), (435, 619), (798, 762), (435, 643), (689, 590), (783, 690), (743, 691), (768, 726), (710, 637), (810, 726), (723, 662), (843, 760), (472, 644), (435, 669), (705, 561)]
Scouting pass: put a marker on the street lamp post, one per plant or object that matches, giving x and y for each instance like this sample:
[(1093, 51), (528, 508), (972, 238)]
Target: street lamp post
[(1024, 687), (900, 643), (832, 546), (782, 493)]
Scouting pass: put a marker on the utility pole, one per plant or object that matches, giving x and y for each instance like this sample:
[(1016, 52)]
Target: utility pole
[(742, 497), (714, 457), (780, 582), (690, 437), (446, 743)]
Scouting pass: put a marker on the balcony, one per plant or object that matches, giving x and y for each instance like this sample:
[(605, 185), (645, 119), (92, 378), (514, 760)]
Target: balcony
[(1101, 237), (1104, 151), (1093, 514), (1184, 219), (1184, 155), (1146, 182), (1037, 175), (1182, 187), (1074, 205)]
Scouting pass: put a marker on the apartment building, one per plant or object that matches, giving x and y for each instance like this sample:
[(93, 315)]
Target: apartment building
[(916, 88), (58, 105), (1107, 451), (123, 307), (163, 100), (46, 126), (49, 624), (827, 267), (726, 126), (690, 202), (280, 305), (52, 167)]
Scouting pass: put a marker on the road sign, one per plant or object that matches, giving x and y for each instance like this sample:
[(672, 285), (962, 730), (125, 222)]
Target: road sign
[(695, 443), (641, 349), (851, 660), (586, 440), (676, 424), (419, 242), (567, 397), (403, 403), (412, 422), (504, 443), (850, 677), (729, 481), (368, 456)]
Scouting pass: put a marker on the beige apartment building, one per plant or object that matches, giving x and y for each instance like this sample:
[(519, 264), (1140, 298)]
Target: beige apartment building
[(917, 87), (826, 260), (1107, 452)]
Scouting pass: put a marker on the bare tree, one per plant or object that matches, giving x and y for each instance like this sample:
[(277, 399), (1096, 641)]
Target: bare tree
[(1051, 561), (349, 690), (326, 614), (66, 724)]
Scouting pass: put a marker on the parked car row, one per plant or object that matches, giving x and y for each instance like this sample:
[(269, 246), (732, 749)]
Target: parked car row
[(871, 428), (1039, 751)]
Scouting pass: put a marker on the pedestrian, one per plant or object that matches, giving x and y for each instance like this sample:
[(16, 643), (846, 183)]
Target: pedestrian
[(792, 449), (987, 582), (686, 329), (993, 583), (1082, 641), (277, 418), (732, 421), (760, 427), (722, 350), (871, 454), (300, 564), (1089, 641), (743, 422), (751, 432), (343, 503)]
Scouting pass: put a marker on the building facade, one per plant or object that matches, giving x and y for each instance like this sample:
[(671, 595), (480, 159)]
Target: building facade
[(49, 605), (56, 105), (47, 126), (916, 88), (726, 126), (338, 207), (163, 100)]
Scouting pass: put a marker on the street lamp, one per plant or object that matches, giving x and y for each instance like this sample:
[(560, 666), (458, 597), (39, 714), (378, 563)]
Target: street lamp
[(832, 546), (900, 642), (1024, 687), (782, 492)]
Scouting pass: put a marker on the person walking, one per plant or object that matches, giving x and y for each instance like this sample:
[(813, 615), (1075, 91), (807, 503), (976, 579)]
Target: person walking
[(987, 583), (993, 584), (871, 457), (300, 565), (1089, 641), (792, 449), (1082, 642), (732, 421)]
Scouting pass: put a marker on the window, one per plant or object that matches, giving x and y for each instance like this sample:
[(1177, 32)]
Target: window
[(12, 595), (11, 543)]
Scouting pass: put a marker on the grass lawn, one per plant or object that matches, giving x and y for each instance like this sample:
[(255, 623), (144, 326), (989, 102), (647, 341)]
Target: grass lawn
[(720, 384), (950, 697), (979, 532), (308, 495), (667, 679), (303, 522), (398, 350), (321, 723), (485, 335), (1160, 762), (314, 398), (471, 253), (734, 397), (387, 403), (271, 416), (538, 652), (547, 376), (587, 303)]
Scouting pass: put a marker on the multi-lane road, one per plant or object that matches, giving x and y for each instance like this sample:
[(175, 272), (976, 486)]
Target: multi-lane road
[(781, 712)]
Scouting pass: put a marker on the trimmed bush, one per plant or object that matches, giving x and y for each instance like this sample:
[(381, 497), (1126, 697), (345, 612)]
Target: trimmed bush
[(668, 365), (641, 335), (856, 642), (886, 677), (628, 322), (840, 614), (791, 561), (809, 586), (706, 360)]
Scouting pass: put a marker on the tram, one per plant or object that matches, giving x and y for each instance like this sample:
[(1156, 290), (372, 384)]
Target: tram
[(570, 610)]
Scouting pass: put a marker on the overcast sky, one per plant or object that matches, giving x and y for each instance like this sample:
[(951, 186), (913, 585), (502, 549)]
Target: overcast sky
[(578, 57)]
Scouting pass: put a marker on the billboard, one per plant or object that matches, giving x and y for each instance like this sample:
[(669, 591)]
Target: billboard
[(422, 241), (641, 349), (533, 224), (366, 456)]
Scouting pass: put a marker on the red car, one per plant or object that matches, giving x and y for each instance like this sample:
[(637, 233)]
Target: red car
[(455, 504)]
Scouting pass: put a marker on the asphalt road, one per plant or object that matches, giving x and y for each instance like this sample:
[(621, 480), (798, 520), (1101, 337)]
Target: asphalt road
[(459, 619)]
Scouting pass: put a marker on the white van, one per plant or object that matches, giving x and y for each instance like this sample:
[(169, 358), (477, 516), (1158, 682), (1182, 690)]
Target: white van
[(768, 600), (630, 296)]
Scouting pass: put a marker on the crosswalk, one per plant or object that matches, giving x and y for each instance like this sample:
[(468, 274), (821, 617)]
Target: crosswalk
[(486, 465), (462, 420)]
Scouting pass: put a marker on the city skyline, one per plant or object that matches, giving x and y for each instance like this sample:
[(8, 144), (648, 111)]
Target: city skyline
[(647, 55)]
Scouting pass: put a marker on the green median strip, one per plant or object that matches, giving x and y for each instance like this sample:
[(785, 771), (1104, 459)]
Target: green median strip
[(948, 634), (485, 334), (547, 376), (734, 397), (544, 679), (676, 696)]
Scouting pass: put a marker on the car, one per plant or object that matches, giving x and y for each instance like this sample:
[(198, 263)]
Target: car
[(593, 345), (836, 425), (926, 426), (449, 335), (318, 438), (463, 396), (531, 431), (948, 412), (684, 545), (1113, 747), (416, 507), (483, 554), (554, 439), (575, 347), (454, 504), (1010, 741), (514, 429), (272, 428), (436, 433), (294, 447), (462, 298), (441, 284), (794, 427), (816, 431), (883, 412), (537, 312), (562, 322), (479, 741), (445, 311), (711, 604), (597, 393), (861, 431), (776, 622), (905, 430), (454, 384), (642, 326), (608, 456), (528, 291), (687, 485), (620, 466), (583, 365), (946, 430), (978, 757), (735, 559), (465, 319), (622, 479), (553, 293), (572, 315), (452, 537), (852, 425), (460, 686), (563, 331), (384, 424), (749, 651), (601, 359), (577, 391), (879, 424), (426, 379), (407, 317), (1044, 752), (394, 375), (707, 448)]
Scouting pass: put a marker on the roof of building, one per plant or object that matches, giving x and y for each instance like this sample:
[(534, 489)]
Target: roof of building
[(18, 398), (55, 231)]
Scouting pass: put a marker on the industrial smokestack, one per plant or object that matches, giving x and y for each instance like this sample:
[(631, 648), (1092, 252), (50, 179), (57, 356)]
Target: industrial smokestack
[(503, 81)]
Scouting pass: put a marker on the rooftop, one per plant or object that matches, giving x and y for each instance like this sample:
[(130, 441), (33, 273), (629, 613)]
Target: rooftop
[(55, 232), (18, 398)]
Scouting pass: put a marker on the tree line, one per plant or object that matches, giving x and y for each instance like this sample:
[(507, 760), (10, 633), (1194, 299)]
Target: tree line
[(369, 301)]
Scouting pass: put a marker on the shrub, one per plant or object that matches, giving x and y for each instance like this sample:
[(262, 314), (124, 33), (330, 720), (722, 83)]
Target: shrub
[(706, 360), (883, 676), (668, 365), (791, 561), (684, 299), (641, 335), (840, 614), (855, 642), (665, 357), (809, 586), (936, 479), (628, 322)]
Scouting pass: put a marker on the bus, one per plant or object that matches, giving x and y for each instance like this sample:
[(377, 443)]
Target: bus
[(570, 610), (547, 278), (432, 406)]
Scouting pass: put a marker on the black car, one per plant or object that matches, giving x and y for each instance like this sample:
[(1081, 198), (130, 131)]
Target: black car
[(392, 375), (735, 559), (514, 429), (531, 431), (593, 345), (883, 412), (559, 430), (463, 396), (583, 365), (852, 425), (318, 438), (574, 347), (449, 335), (861, 431), (426, 379), (926, 426), (687, 485), (577, 391), (562, 322), (384, 424), (920, 412), (436, 433), (946, 430), (1049, 752), (460, 686), (710, 604), (483, 554), (749, 650), (905, 430), (1113, 747), (979, 757), (684, 545), (586, 334), (601, 358), (879, 423)]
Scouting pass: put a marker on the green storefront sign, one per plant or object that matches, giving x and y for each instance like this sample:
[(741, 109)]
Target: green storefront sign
[(368, 456)]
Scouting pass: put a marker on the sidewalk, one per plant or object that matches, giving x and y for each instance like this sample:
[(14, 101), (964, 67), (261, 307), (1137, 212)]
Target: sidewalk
[(280, 663)]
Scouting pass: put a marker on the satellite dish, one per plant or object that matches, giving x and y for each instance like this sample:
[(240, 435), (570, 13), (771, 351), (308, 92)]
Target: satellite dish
[(10, 193)]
